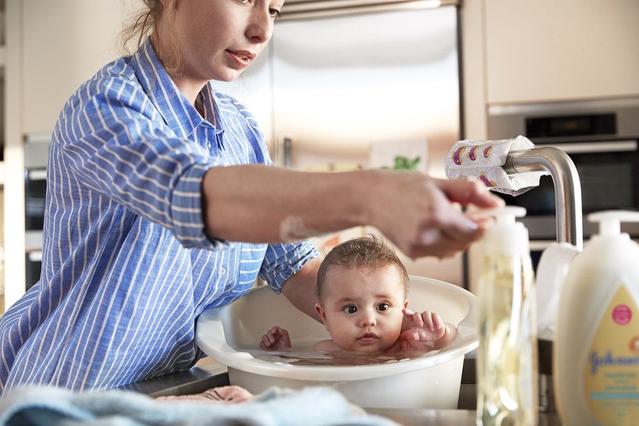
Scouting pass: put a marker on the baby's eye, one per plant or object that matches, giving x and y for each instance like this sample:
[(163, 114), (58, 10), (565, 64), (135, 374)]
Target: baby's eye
[(350, 309), (383, 306)]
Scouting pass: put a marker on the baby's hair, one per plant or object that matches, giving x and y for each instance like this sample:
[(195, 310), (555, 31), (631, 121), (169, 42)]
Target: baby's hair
[(367, 252)]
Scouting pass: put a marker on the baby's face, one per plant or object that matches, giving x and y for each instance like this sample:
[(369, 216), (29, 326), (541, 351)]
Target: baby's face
[(362, 307)]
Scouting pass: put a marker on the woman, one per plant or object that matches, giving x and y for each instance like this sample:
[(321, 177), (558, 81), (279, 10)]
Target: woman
[(161, 203)]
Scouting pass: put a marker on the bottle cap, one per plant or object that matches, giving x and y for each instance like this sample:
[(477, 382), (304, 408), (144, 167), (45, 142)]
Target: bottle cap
[(502, 215), (506, 236), (610, 220)]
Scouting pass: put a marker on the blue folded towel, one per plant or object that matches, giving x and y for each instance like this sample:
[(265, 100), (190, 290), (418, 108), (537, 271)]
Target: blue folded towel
[(50, 406)]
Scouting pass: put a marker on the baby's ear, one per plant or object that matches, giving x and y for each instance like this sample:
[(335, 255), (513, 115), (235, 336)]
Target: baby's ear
[(320, 312)]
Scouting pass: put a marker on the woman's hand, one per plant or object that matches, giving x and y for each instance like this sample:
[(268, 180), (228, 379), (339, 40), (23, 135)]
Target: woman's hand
[(422, 215), (276, 339)]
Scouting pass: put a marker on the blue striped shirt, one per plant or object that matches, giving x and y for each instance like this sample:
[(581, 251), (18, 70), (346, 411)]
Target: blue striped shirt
[(127, 266)]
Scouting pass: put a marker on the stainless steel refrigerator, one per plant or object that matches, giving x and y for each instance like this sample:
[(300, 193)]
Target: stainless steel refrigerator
[(346, 84)]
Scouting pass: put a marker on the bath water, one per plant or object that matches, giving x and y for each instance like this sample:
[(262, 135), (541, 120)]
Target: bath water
[(311, 358)]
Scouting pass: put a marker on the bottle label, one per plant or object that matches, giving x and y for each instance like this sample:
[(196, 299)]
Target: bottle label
[(611, 376)]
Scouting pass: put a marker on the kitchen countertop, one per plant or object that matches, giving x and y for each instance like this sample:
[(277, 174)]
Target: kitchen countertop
[(415, 417), (207, 374)]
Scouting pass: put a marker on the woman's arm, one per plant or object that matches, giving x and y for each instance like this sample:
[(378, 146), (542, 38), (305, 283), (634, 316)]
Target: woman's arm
[(269, 204), (300, 289)]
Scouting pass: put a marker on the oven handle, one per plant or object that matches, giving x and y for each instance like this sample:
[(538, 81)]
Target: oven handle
[(602, 146), (37, 174), (35, 256)]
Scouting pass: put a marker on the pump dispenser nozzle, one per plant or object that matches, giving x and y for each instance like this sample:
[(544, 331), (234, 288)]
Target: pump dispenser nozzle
[(506, 235), (505, 215), (610, 221)]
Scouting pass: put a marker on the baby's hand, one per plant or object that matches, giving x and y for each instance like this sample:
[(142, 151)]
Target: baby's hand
[(425, 330), (276, 339)]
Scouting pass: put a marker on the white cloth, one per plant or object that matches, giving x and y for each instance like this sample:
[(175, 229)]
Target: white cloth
[(49, 406), (484, 160)]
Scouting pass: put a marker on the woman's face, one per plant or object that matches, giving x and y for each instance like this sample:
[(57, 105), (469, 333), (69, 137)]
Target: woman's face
[(362, 307), (218, 39)]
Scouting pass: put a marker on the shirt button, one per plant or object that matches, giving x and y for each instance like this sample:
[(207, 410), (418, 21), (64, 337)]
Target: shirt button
[(223, 270)]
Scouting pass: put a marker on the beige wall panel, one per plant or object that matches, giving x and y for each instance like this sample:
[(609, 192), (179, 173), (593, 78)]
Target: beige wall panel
[(561, 49), (64, 43), (474, 72)]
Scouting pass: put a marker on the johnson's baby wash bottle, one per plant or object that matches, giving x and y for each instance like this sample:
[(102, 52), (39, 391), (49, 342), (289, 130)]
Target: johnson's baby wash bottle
[(507, 355), (597, 342)]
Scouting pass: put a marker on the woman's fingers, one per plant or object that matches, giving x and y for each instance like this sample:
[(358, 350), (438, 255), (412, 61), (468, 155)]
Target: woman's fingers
[(469, 192), (448, 230), (422, 215), (451, 223)]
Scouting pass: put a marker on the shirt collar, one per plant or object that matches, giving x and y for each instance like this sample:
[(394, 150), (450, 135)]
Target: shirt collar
[(177, 111)]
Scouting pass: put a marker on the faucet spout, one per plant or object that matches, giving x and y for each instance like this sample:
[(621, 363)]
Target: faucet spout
[(566, 183)]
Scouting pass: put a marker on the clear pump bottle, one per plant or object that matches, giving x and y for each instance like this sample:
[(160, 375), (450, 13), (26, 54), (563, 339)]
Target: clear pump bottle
[(507, 356)]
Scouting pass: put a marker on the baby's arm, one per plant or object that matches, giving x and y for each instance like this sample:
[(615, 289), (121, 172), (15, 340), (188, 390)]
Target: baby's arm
[(276, 339)]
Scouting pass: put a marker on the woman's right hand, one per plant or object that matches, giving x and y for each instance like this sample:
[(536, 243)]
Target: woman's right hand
[(422, 215)]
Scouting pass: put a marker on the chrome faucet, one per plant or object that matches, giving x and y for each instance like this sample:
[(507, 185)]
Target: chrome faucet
[(567, 187), (568, 225)]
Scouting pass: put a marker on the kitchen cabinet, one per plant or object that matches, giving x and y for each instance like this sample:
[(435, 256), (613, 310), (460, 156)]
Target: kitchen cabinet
[(517, 52), (548, 50)]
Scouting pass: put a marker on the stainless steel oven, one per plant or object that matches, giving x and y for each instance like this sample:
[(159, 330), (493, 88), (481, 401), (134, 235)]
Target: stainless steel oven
[(36, 149), (602, 139)]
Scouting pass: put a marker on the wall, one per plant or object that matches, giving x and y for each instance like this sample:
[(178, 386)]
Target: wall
[(64, 43), (51, 48)]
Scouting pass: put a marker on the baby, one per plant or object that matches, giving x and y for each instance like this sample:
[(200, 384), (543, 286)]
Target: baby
[(362, 294)]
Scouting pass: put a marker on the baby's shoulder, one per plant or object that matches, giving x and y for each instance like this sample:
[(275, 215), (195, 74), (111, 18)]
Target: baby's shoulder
[(326, 346)]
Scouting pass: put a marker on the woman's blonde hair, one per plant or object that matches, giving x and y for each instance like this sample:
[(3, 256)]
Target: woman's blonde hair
[(143, 23)]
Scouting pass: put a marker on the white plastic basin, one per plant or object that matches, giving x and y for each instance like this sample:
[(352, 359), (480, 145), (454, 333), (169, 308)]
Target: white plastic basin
[(428, 381)]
